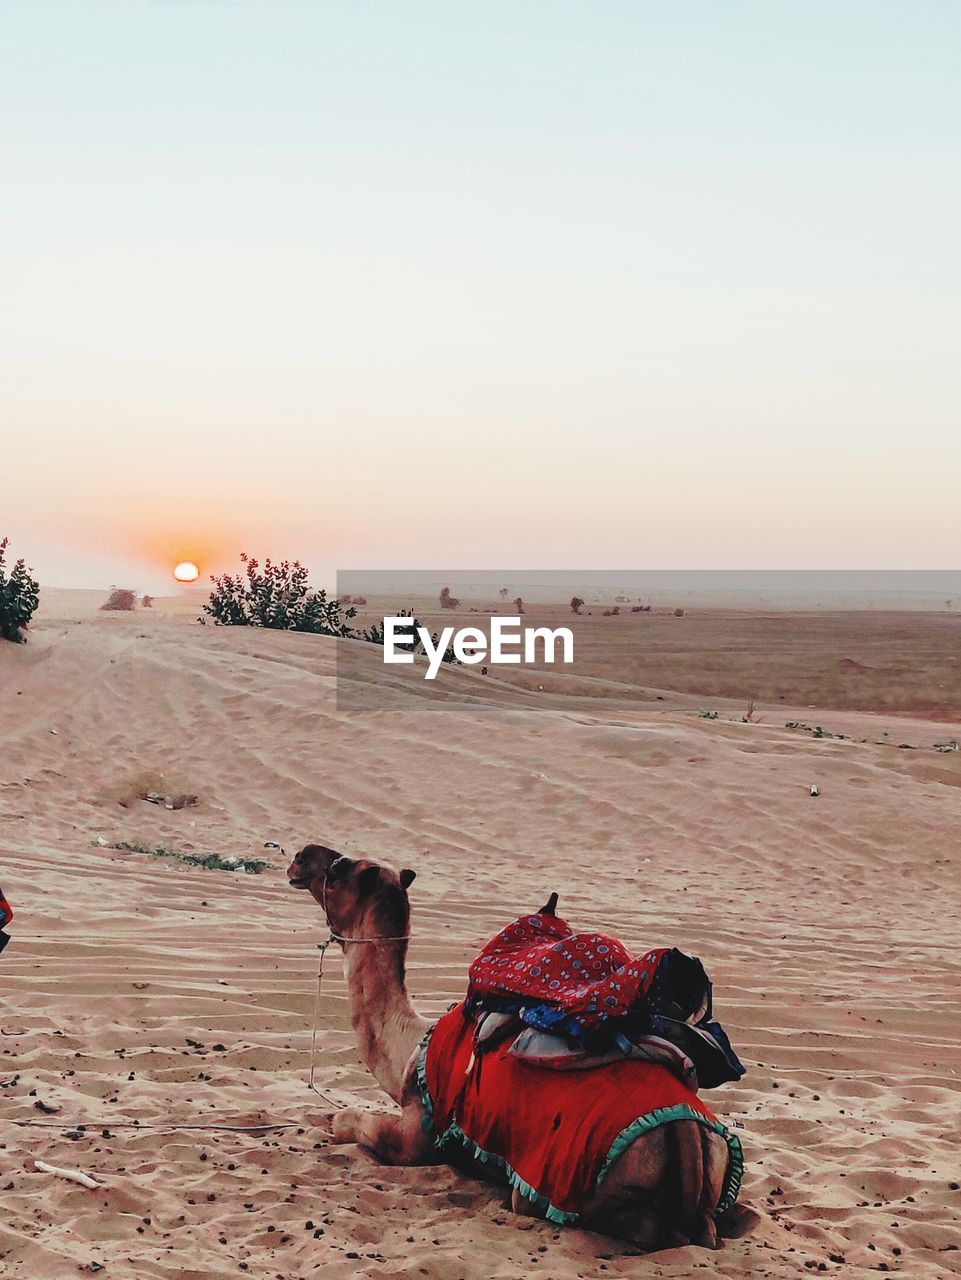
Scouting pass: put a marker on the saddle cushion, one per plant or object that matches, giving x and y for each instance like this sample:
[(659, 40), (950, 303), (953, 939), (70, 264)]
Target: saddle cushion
[(585, 978), (554, 1135)]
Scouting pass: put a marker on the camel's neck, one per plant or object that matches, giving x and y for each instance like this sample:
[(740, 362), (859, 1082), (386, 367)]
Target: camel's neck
[(387, 1026)]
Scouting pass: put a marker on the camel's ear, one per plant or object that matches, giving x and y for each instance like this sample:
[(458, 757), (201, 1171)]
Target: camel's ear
[(407, 878), (550, 906), (367, 881)]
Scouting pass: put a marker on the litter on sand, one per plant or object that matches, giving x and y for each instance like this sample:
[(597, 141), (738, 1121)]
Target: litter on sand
[(72, 1175)]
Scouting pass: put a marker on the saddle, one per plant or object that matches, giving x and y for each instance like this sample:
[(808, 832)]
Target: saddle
[(572, 1001)]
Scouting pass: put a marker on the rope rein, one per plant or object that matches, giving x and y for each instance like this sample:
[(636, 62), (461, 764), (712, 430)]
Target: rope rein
[(109, 1122)]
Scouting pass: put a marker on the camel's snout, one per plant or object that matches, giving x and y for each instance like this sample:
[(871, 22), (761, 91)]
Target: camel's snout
[(296, 877), (312, 863)]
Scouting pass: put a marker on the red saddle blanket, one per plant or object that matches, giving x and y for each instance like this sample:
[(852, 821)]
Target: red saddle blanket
[(554, 1135), (6, 915)]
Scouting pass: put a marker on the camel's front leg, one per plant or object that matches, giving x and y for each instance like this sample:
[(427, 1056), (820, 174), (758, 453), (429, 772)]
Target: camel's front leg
[(393, 1138)]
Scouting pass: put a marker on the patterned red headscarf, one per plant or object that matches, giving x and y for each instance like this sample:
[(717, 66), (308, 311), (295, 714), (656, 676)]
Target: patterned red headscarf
[(585, 976)]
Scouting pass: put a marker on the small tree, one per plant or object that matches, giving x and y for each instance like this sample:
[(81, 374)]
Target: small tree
[(577, 604), (147, 602), (447, 601), (519, 605), (277, 597), (19, 597)]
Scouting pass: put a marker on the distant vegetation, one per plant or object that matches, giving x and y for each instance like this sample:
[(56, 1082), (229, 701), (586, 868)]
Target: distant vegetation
[(209, 861), (577, 604), (120, 599), (447, 601), (19, 597)]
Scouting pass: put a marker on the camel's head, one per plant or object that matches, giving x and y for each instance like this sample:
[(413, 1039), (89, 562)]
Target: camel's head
[(361, 898)]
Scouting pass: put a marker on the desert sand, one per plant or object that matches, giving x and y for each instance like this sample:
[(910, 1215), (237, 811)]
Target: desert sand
[(144, 1002)]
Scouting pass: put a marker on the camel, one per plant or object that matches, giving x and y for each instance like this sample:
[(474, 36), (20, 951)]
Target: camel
[(662, 1191)]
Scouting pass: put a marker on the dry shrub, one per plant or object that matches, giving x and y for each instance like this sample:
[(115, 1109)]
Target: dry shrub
[(144, 782), (120, 598)]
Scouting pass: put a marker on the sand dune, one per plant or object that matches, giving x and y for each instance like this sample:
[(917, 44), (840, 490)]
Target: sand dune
[(139, 993)]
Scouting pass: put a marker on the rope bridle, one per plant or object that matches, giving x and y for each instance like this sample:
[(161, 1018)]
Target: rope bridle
[(322, 948)]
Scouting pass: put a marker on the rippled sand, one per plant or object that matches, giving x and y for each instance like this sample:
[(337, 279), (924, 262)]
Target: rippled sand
[(139, 993)]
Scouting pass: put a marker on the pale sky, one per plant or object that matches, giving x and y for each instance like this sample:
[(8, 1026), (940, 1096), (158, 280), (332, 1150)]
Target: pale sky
[(480, 284)]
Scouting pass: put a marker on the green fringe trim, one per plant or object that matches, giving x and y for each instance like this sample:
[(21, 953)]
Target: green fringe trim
[(454, 1134), (427, 1120)]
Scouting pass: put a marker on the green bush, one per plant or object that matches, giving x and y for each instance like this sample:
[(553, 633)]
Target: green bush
[(375, 635), (19, 597), (277, 596)]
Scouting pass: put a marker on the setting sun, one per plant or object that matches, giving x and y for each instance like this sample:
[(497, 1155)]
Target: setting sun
[(186, 571)]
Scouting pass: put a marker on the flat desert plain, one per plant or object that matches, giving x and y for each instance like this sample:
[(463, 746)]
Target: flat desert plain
[(156, 1016)]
